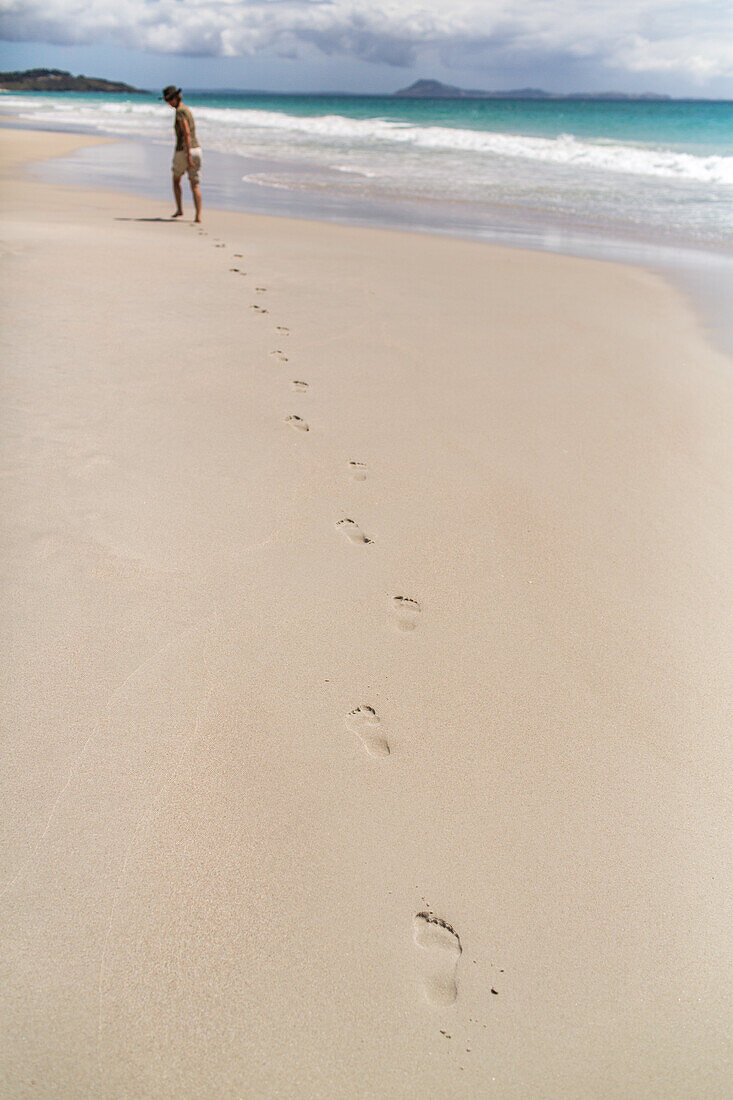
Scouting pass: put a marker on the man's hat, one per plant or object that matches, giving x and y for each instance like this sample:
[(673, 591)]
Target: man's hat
[(170, 91)]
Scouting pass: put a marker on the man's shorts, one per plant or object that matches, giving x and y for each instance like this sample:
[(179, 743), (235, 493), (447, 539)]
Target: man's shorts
[(180, 164)]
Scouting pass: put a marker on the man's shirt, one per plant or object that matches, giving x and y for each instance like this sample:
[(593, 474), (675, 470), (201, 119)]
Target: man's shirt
[(184, 112)]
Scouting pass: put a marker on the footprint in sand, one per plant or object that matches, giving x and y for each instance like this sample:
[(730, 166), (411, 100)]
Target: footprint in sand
[(353, 531), (238, 255), (300, 387), (365, 722), (406, 612), (442, 947), (258, 309), (277, 353), (235, 270), (282, 329), (358, 470), (219, 246), (297, 422), (261, 289)]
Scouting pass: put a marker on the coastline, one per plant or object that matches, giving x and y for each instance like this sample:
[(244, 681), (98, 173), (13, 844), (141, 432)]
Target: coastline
[(703, 271), (211, 884)]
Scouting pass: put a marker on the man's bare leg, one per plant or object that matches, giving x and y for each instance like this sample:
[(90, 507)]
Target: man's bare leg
[(177, 195), (196, 192)]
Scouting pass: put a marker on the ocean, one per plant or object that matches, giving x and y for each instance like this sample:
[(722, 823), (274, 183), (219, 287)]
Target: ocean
[(662, 169)]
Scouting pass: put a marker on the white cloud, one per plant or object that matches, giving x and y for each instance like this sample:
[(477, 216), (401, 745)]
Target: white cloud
[(692, 38)]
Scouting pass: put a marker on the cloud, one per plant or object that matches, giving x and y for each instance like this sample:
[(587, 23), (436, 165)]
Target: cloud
[(692, 38)]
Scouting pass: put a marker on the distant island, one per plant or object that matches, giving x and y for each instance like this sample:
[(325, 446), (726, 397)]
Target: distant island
[(56, 80), (433, 89)]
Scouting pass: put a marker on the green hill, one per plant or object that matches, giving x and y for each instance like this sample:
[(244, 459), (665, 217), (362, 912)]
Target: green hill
[(56, 80)]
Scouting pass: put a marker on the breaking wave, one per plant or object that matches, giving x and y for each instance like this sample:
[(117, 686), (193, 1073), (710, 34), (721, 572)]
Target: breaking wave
[(233, 129)]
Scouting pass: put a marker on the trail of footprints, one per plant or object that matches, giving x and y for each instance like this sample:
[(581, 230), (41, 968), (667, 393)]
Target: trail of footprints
[(438, 944)]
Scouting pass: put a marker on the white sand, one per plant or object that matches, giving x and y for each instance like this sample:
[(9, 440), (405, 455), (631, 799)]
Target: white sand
[(215, 876)]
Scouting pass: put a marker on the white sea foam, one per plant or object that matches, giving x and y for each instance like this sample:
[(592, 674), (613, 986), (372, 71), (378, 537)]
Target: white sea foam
[(233, 129), (565, 149), (265, 179), (353, 171)]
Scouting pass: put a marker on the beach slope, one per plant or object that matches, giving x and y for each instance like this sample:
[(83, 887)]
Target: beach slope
[(365, 634)]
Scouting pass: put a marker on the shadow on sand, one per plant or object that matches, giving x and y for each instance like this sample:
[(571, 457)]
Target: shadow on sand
[(165, 221)]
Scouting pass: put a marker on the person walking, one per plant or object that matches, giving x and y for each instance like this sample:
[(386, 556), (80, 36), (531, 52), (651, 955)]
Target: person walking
[(187, 155)]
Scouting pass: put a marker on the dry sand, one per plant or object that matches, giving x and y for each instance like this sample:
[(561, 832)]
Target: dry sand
[(217, 881)]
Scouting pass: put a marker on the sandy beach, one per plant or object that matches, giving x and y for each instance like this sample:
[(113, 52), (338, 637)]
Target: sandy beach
[(366, 658)]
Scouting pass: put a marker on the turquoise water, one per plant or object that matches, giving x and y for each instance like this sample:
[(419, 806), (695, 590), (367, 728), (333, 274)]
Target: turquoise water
[(657, 168), (703, 128)]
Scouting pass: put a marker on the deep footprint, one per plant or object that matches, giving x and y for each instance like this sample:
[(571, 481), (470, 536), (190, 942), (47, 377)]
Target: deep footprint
[(297, 422), (358, 470), (300, 387), (277, 354), (353, 531), (442, 947), (365, 722), (258, 309), (406, 612)]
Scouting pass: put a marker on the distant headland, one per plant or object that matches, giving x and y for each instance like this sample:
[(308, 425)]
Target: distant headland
[(433, 89), (56, 80)]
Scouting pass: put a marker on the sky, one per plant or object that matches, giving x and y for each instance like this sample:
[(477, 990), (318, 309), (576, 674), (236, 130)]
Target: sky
[(677, 47)]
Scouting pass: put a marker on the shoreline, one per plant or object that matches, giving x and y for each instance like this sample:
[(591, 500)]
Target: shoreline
[(703, 272), (500, 549)]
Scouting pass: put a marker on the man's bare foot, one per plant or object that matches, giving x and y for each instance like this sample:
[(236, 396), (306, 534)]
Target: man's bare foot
[(177, 214), (197, 221)]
